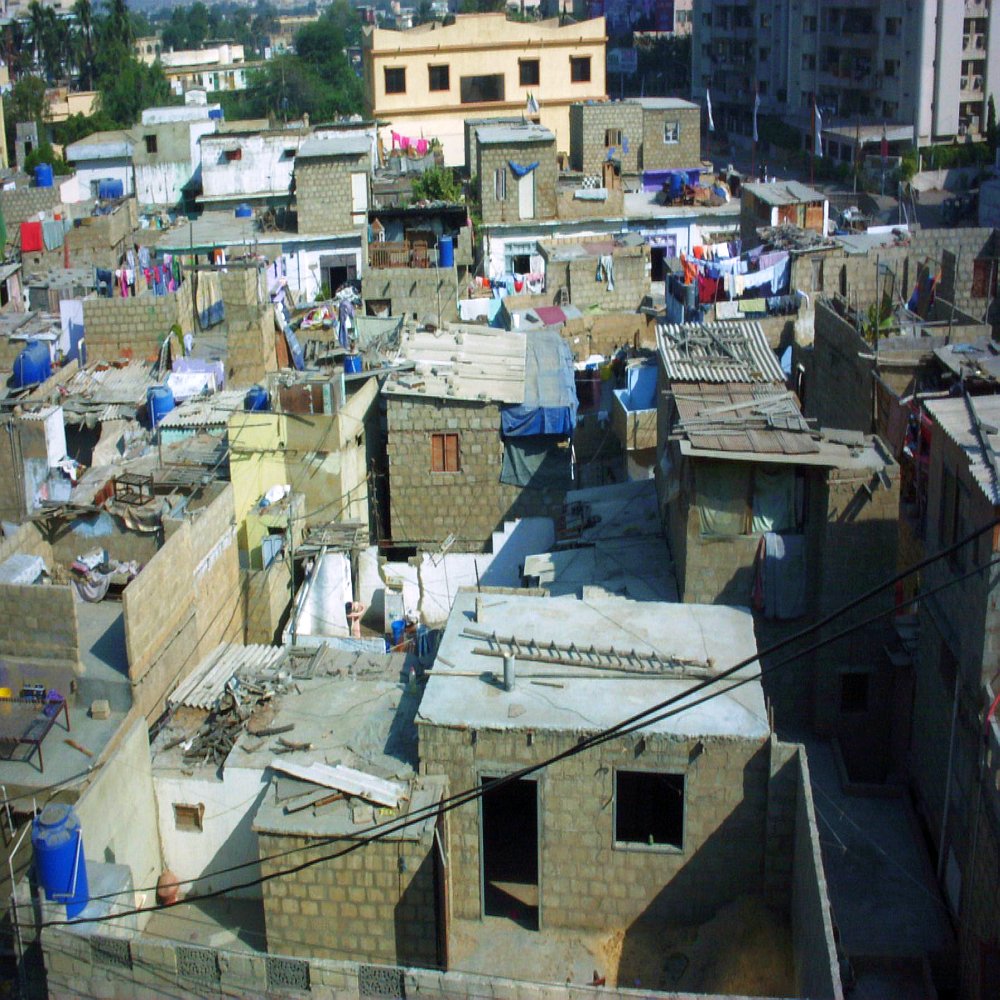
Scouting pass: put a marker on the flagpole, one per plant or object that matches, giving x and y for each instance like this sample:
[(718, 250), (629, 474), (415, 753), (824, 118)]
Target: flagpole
[(753, 152), (812, 158)]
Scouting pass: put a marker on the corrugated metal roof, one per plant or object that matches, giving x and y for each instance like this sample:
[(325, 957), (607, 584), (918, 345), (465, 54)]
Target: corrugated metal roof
[(203, 687), (717, 352), (956, 418), (462, 362), (747, 418), (100, 385), (205, 411)]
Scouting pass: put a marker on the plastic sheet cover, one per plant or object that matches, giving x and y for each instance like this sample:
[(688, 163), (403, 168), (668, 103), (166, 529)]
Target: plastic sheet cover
[(550, 402)]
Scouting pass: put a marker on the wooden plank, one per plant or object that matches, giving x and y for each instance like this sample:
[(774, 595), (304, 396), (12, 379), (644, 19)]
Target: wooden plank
[(346, 779)]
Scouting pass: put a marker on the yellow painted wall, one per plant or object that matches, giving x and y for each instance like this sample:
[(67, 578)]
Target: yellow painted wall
[(321, 456), (479, 44)]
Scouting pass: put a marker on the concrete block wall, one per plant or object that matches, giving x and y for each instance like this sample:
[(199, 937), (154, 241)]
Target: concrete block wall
[(588, 125), (602, 334), (186, 600), (376, 903), (267, 596), (585, 880), (323, 193), (660, 155), (23, 204), (242, 294), (137, 324), (39, 635), (782, 798), (415, 292), (75, 966), (250, 348), (840, 388), (490, 159), (631, 281), (425, 507), (570, 208)]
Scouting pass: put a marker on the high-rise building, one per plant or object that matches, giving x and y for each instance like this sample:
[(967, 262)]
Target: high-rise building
[(929, 64)]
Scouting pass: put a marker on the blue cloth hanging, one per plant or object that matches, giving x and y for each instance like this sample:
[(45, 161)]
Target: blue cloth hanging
[(519, 169)]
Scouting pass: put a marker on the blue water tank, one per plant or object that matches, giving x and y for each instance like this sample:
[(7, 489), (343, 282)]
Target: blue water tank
[(43, 175), (398, 631), (244, 211), (446, 251), (159, 402), (352, 364), (60, 865), (256, 400), (32, 365), (109, 189), (215, 114)]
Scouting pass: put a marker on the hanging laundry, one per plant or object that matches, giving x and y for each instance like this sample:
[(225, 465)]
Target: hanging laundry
[(31, 237), (606, 270), (708, 289), (422, 146)]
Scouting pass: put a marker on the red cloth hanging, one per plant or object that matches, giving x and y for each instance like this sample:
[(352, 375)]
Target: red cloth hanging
[(31, 237), (708, 289)]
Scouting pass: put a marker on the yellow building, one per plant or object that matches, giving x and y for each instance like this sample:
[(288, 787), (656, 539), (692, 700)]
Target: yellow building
[(426, 81)]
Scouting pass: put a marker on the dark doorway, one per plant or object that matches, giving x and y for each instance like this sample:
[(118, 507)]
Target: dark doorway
[(509, 851), (657, 271)]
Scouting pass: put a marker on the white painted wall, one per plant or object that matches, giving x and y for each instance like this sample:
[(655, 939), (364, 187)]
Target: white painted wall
[(227, 837), (118, 810), (429, 589), (90, 172)]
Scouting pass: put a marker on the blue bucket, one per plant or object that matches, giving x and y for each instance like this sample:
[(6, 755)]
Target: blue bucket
[(398, 631), (352, 364)]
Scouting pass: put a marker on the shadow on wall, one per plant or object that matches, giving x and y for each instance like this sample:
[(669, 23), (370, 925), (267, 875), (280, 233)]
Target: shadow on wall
[(417, 913), (708, 930)]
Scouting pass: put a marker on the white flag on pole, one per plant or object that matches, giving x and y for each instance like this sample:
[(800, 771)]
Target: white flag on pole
[(756, 105), (708, 103), (818, 133)]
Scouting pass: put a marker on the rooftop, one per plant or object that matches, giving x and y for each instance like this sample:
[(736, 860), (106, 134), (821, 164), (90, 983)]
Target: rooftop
[(584, 664), (972, 423), (980, 360), (502, 135), (666, 104), (462, 362), (97, 392), (717, 352), (784, 193), (346, 145)]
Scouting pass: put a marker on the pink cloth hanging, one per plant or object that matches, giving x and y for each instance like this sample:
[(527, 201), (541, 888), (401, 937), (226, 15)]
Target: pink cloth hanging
[(422, 146), (123, 283)]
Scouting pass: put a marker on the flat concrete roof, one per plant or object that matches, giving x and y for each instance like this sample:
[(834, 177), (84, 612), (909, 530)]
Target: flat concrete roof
[(666, 104), (347, 145), (784, 193), (494, 135), (463, 692)]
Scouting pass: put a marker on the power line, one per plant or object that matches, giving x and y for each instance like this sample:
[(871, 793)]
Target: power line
[(640, 720)]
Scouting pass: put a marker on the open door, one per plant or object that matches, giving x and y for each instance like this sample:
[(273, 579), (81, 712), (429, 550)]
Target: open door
[(526, 196), (509, 851)]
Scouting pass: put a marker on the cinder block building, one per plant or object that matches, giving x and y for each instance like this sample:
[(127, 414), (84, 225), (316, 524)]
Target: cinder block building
[(333, 184), (781, 203), (647, 134), (517, 170), (761, 509), (478, 433), (954, 727)]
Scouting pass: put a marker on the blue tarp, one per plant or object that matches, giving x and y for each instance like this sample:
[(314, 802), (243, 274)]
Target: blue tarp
[(520, 169), (550, 402)]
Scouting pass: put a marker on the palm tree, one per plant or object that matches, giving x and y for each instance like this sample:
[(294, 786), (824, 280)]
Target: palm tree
[(120, 22), (85, 39), (37, 18)]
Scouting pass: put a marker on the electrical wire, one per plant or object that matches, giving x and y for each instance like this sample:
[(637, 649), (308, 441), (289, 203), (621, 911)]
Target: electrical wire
[(640, 720)]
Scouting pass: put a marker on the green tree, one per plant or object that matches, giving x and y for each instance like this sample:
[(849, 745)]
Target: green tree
[(45, 154), (126, 86), (26, 103), (84, 13), (437, 184)]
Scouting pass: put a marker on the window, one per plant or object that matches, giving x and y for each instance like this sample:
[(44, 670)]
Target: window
[(528, 72), (579, 69), (612, 137), (892, 25), (808, 61), (395, 79), (482, 89), (649, 808), (444, 453), (809, 24), (189, 817), (890, 67), (984, 278), (671, 132), (150, 143), (500, 184), (854, 692), (439, 77)]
